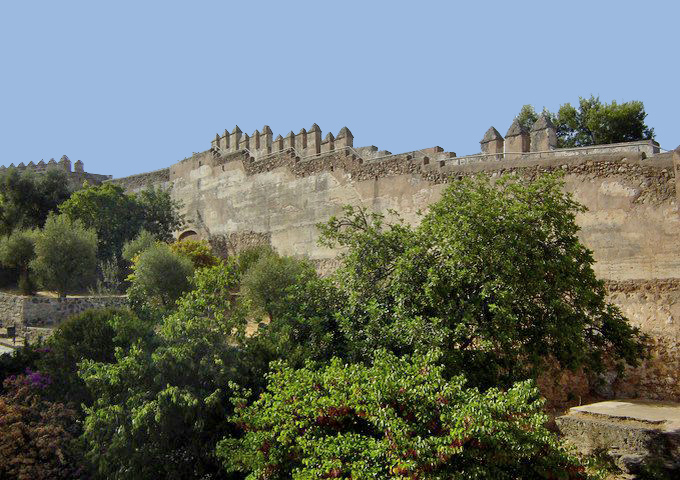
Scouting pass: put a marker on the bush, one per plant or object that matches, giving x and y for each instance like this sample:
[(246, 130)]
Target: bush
[(66, 255), (266, 280), (92, 335), (160, 276), (398, 418), (38, 436), (199, 252), (495, 275), (137, 245), (16, 251)]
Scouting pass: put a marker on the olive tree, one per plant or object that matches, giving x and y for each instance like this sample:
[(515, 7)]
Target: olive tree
[(65, 255)]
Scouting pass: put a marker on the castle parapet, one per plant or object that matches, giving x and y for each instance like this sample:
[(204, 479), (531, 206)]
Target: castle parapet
[(63, 164), (516, 140), (306, 143), (543, 135), (492, 143)]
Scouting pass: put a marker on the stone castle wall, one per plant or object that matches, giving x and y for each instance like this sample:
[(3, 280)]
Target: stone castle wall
[(76, 176), (280, 191)]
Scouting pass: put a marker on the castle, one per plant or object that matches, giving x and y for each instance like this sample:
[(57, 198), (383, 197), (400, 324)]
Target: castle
[(253, 189), (75, 177)]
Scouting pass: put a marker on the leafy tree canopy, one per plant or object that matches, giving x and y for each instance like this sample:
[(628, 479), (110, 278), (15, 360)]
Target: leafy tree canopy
[(594, 122), (118, 217), (398, 418), (17, 250), (65, 255), (159, 412), (159, 276), (494, 275), (27, 198), (198, 251)]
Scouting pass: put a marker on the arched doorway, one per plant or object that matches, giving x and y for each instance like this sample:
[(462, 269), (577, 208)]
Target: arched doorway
[(188, 235)]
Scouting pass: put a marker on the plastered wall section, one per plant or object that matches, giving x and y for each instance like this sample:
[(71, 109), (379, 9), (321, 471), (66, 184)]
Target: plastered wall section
[(631, 223)]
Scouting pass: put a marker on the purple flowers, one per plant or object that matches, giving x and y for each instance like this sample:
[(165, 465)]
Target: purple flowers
[(37, 379)]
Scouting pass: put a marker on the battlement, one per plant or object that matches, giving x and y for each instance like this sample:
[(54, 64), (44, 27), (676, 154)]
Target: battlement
[(76, 176), (64, 163), (262, 144)]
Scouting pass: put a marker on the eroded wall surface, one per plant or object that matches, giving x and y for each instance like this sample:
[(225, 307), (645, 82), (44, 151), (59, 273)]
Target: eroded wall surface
[(631, 224)]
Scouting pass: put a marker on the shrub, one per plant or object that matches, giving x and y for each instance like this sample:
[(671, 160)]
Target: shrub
[(37, 436), (137, 245), (16, 251), (199, 252), (398, 418), (65, 255), (91, 335), (160, 276)]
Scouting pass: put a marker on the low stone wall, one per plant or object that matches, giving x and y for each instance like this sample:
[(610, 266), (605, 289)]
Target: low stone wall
[(35, 311)]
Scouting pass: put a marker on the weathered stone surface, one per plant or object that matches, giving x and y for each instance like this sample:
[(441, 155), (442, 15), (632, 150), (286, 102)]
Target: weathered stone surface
[(36, 311), (543, 135), (632, 222), (634, 433)]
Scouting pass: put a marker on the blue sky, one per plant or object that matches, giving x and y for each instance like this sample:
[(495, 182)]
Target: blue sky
[(128, 87)]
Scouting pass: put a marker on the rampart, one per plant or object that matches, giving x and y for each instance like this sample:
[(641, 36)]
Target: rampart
[(76, 177), (249, 189)]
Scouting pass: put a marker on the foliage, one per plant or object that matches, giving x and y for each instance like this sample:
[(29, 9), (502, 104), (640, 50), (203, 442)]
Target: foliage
[(110, 278), (594, 122), (495, 276), (527, 117), (27, 198), (303, 325), (37, 440), (65, 255), (17, 362), (249, 256), (198, 251), (137, 245), (159, 412), (16, 251), (398, 418), (268, 277), (115, 216), (159, 276), (118, 217), (161, 214), (92, 335)]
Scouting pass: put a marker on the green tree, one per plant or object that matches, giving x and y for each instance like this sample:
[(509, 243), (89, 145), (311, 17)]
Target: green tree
[(199, 252), (159, 276), (527, 117), (26, 198), (92, 335), (65, 255), (137, 245), (398, 418), (160, 213), (16, 251), (115, 216), (594, 122), (494, 275), (159, 412), (303, 326), (265, 282)]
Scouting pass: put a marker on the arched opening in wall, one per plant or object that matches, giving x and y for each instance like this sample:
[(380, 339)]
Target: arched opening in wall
[(188, 235)]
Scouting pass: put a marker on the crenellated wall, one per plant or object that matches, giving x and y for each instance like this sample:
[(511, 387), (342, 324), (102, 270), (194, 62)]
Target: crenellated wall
[(248, 190), (76, 177)]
